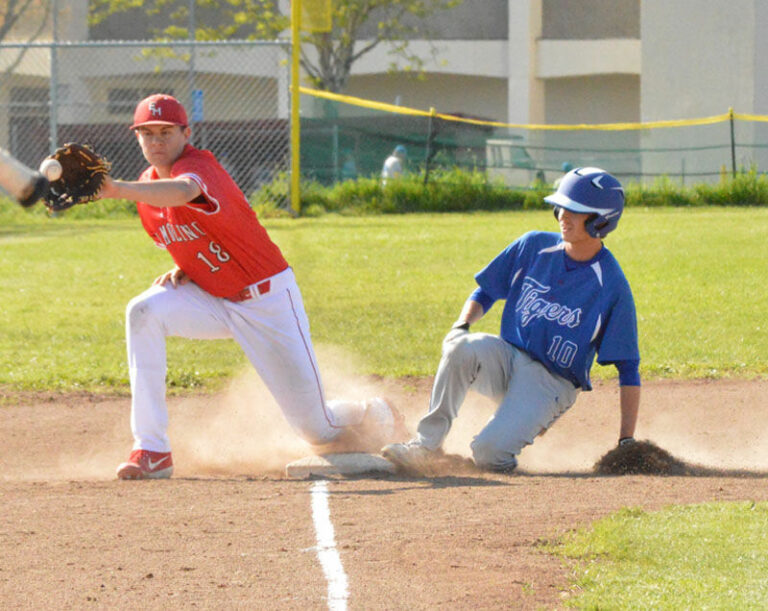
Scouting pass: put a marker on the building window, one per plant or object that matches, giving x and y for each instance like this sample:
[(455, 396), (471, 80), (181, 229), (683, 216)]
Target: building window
[(122, 101), (29, 101)]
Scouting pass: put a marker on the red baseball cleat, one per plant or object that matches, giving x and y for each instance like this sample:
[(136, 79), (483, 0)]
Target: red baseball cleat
[(144, 464)]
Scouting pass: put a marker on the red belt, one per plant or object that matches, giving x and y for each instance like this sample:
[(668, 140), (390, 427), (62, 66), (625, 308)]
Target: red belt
[(249, 292)]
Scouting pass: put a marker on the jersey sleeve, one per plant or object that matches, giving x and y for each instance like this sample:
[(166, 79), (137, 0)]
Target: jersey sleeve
[(619, 340), (629, 372), (495, 278), (483, 298), (204, 171)]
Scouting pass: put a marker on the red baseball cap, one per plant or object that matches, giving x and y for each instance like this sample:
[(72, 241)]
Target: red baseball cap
[(159, 109)]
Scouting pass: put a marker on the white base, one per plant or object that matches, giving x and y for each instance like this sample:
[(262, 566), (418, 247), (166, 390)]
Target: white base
[(350, 463)]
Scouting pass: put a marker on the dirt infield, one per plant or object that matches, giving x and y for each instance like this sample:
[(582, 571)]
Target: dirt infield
[(231, 531)]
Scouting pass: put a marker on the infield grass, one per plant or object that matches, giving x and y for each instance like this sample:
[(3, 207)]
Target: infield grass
[(382, 289), (719, 552)]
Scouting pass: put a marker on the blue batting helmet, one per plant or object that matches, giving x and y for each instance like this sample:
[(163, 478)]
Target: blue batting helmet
[(401, 150), (591, 191)]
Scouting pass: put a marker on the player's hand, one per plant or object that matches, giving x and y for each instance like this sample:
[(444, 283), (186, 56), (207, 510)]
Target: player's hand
[(457, 330), (175, 276), (108, 189)]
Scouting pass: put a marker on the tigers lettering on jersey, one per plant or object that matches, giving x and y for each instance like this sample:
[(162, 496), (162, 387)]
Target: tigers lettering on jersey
[(532, 305)]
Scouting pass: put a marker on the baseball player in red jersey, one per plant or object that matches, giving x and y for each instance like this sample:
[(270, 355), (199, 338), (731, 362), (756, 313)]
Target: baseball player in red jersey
[(230, 281)]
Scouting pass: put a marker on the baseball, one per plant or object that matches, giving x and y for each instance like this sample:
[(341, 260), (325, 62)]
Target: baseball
[(51, 169)]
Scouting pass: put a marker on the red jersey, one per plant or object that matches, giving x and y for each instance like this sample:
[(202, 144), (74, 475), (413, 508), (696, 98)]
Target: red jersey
[(217, 239)]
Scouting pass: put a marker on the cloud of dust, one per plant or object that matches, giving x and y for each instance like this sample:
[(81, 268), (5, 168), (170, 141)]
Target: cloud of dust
[(559, 450), (341, 377), (240, 431), (472, 417), (725, 439), (718, 426), (243, 431)]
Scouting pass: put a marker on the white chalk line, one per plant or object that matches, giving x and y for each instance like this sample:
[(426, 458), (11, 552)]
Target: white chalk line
[(330, 560)]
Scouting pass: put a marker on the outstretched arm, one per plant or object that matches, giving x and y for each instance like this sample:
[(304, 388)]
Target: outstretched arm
[(629, 399), (23, 183), (163, 193)]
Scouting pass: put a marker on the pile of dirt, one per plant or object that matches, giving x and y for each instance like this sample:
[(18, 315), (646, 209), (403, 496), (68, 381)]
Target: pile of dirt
[(641, 458)]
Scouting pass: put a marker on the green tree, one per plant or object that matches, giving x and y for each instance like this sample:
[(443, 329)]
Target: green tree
[(359, 26)]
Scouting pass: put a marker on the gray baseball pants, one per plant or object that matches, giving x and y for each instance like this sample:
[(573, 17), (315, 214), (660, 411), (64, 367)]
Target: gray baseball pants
[(530, 397)]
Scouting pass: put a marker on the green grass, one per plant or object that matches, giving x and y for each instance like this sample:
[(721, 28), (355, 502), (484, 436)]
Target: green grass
[(382, 288), (395, 283), (709, 556), (695, 276)]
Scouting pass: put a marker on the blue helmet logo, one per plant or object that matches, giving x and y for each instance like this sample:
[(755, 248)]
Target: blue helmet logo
[(591, 191)]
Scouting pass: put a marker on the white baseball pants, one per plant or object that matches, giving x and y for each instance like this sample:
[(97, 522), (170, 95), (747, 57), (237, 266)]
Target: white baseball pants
[(273, 331), (529, 396)]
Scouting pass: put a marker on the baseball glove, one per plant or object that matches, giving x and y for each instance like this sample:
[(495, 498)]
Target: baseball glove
[(82, 175)]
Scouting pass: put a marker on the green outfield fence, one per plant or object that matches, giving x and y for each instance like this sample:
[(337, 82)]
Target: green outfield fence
[(344, 137)]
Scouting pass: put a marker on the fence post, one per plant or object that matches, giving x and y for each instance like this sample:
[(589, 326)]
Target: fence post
[(733, 143), (430, 137), (295, 122), (335, 152), (53, 95)]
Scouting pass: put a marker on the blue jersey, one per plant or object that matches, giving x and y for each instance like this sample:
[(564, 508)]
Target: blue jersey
[(560, 311)]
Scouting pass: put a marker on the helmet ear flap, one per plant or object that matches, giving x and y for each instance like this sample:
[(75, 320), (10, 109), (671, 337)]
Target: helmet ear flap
[(595, 225)]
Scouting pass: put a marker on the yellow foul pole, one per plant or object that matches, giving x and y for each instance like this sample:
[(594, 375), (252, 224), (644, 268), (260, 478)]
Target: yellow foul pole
[(295, 132)]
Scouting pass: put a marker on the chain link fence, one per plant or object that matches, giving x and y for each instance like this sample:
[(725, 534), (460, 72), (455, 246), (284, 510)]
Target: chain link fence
[(237, 96), (345, 137)]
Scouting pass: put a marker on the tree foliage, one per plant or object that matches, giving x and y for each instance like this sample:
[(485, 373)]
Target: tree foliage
[(358, 27)]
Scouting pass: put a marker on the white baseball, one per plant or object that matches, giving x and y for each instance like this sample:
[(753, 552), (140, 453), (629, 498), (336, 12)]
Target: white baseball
[(51, 169)]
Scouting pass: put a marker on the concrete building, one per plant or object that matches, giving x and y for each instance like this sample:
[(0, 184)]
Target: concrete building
[(599, 61), (549, 62), (557, 61), (524, 61), (588, 61)]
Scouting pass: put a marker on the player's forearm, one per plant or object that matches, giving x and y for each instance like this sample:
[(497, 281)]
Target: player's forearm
[(471, 312), (163, 193), (629, 399), (22, 182)]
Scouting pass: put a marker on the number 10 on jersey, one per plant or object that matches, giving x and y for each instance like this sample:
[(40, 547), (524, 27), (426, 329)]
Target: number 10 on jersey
[(562, 352)]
